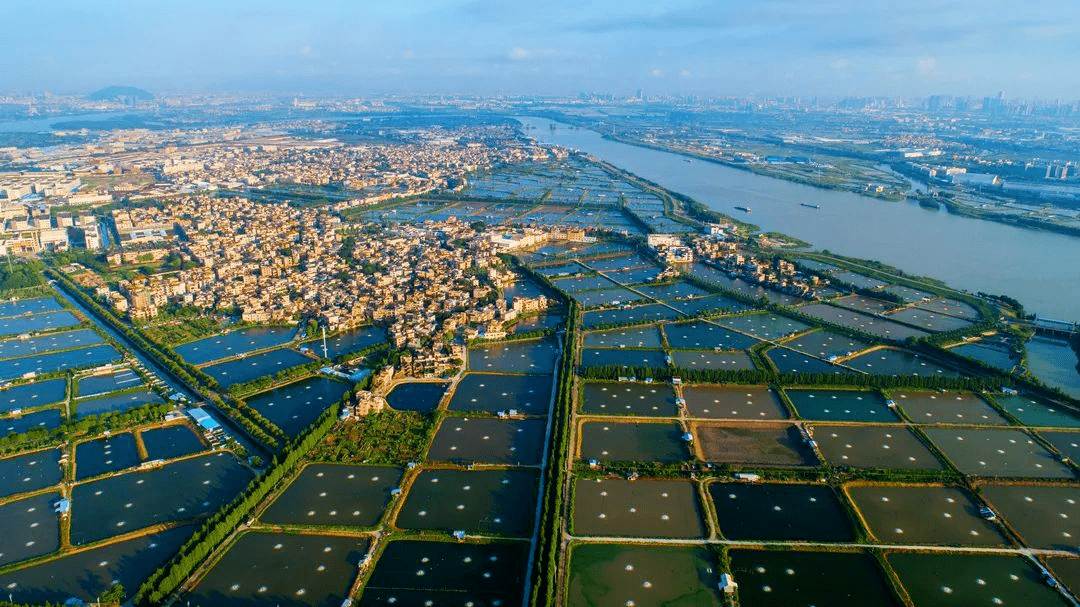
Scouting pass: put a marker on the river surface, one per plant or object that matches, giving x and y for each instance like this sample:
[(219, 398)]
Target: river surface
[(1041, 269)]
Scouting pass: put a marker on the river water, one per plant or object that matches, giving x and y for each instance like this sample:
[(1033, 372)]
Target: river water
[(1040, 269)]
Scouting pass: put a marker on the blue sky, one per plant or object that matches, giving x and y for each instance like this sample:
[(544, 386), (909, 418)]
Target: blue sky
[(362, 47)]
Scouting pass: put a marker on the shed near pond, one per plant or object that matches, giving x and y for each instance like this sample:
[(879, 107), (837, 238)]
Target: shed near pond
[(203, 418)]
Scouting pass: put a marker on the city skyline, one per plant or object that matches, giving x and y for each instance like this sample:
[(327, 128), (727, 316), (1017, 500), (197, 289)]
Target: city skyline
[(479, 47)]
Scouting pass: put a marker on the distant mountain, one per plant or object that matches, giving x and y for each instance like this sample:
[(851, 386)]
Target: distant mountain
[(120, 93)]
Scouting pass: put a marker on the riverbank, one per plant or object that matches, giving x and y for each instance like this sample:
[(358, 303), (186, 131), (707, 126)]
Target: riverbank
[(970, 255), (951, 206)]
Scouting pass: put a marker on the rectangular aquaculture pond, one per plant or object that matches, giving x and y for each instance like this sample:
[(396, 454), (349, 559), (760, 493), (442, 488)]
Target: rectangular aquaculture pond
[(618, 575), (639, 442), (467, 440), (780, 512), (491, 393), (925, 515), (761, 444), (628, 398), (337, 495), (642, 508), (501, 502), (734, 402)]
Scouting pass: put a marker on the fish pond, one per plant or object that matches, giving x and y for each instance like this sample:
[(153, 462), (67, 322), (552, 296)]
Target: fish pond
[(1045, 516), (734, 402), (761, 444), (672, 290), (349, 342), (629, 398), (707, 359), (781, 578), (640, 442), (591, 357), (528, 356), (618, 575), (47, 420), (171, 442), (488, 392), (87, 574), (826, 344), (627, 316), (841, 405), (1034, 412), (898, 362), (790, 361), (635, 337), (866, 323), (105, 455), (182, 490), (606, 297), (466, 440), (276, 569), (614, 507), (42, 321), (37, 305), (705, 335), (499, 502), (972, 580), (765, 326), (997, 452), (233, 343), (29, 472), (930, 321), (1066, 442), (13, 348), (417, 396), (59, 361), (780, 512), (443, 573), (29, 396), (874, 447), (1054, 362), (926, 515), (30, 528), (118, 402), (248, 368), (295, 406), (123, 379), (947, 408), (1002, 356), (336, 495)]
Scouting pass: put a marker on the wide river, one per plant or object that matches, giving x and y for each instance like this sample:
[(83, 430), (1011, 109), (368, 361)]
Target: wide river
[(1041, 269)]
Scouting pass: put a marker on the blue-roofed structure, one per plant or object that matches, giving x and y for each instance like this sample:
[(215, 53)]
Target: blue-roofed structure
[(203, 418)]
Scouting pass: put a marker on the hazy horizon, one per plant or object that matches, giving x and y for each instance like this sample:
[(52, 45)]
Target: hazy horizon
[(772, 47)]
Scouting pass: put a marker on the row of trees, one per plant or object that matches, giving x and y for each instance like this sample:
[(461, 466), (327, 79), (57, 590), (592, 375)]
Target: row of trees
[(166, 357), (91, 425), (761, 376), (545, 587)]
